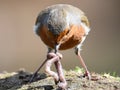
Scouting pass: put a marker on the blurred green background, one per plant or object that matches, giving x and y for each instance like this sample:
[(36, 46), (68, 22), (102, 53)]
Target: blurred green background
[(21, 48)]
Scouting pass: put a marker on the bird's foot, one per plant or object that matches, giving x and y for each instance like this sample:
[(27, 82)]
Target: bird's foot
[(62, 85), (87, 74)]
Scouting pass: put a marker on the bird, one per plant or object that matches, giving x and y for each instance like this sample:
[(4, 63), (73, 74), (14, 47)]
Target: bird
[(61, 27)]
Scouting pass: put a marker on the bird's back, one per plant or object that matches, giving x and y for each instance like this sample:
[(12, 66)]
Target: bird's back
[(61, 24)]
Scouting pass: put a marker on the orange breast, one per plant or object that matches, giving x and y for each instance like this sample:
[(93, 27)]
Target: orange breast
[(67, 39)]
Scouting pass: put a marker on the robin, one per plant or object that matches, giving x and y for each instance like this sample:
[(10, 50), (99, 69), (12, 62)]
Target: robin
[(61, 27)]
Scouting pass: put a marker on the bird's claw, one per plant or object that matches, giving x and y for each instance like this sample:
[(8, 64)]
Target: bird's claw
[(87, 74), (62, 85)]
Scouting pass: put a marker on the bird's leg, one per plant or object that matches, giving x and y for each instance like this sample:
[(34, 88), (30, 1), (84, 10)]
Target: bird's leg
[(87, 73), (59, 76), (62, 82)]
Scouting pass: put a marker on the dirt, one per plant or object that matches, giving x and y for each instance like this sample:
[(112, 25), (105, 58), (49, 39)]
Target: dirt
[(20, 81)]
